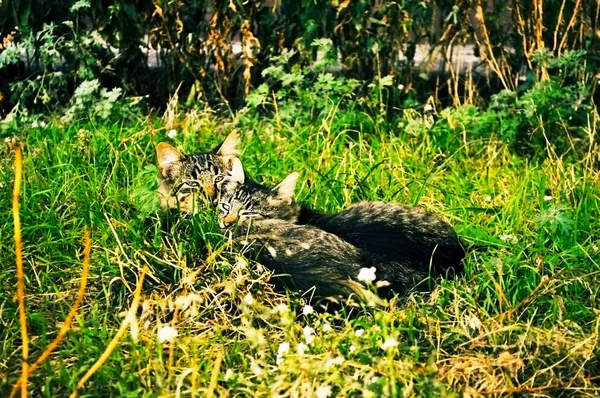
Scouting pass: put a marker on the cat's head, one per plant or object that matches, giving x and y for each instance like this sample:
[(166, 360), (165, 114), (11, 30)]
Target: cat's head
[(240, 200), (184, 180)]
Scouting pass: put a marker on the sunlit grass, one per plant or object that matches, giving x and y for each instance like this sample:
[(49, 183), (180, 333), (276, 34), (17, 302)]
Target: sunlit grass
[(523, 318)]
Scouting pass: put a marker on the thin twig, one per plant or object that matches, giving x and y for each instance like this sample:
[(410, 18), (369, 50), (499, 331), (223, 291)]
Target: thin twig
[(19, 260), (115, 340), (70, 316)]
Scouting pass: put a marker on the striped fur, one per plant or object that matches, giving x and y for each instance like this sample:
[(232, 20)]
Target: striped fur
[(185, 180), (398, 240)]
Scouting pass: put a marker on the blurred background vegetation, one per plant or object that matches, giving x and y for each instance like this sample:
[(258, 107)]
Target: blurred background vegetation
[(535, 61)]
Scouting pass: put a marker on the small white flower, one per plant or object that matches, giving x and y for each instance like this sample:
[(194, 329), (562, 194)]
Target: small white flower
[(390, 342), (42, 124), (283, 348), (359, 332), (547, 198), (34, 124), (509, 238), (352, 348), (248, 299), (167, 333), (366, 274), (428, 108), (474, 322), (172, 133), (400, 87), (228, 374), (308, 334), (307, 309), (488, 198), (331, 362), (301, 348), (323, 391), (327, 327), (282, 308), (594, 248)]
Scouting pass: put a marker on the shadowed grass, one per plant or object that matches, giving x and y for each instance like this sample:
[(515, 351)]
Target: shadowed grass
[(522, 320)]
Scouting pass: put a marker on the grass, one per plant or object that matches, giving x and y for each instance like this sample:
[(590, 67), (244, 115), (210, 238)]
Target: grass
[(524, 318)]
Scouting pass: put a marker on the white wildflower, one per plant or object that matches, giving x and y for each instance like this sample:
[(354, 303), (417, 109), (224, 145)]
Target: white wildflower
[(301, 348), (488, 198), (352, 348), (390, 342), (509, 238), (323, 391), (366, 274), (283, 348), (307, 309), (308, 334), (248, 299), (327, 327), (359, 332), (256, 369), (228, 374), (42, 124), (331, 362), (34, 124), (172, 133), (547, 198), (428, 108), (281, 308), (400, 87), (474, 322), (167, 333)]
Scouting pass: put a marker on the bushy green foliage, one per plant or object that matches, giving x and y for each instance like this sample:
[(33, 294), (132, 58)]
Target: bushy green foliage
[(68, 42)]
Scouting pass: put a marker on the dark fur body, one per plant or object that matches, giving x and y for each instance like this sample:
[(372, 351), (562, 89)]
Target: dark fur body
[(393, 232), (304, 257), (404, 244)]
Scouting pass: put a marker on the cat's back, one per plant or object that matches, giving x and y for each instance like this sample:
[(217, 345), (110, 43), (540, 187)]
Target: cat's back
[(406, 234)]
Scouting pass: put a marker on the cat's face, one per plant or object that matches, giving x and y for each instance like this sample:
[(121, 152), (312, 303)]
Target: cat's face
[(240, 200), (187, 180)]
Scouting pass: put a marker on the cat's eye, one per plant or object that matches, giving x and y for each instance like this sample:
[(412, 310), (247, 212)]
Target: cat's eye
[(219, 179), (225, 207), (249, 213)]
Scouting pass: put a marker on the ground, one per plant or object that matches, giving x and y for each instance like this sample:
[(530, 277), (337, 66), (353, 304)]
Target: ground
[(523, 319)]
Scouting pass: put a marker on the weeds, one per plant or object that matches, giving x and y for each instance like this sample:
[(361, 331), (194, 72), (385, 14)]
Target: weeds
[(203, 319)]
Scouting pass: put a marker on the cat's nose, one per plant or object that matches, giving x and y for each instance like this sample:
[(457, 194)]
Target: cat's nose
[(209, 189), (229, 219)]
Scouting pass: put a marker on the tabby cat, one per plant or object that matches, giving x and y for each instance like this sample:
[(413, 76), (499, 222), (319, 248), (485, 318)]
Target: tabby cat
[(186, 179), (304, 257), (398, 238)]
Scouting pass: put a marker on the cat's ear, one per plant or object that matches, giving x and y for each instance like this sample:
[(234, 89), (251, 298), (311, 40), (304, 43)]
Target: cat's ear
[(285, 189), (229, 147), (237, 171), (167, 156)]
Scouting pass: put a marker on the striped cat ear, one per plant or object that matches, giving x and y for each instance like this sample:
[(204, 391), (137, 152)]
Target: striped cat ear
[(167, 156), (285, 189), (237, 171), (229, 147)]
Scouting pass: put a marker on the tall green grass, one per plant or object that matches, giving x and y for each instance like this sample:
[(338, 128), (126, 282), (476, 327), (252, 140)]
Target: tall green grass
[(523, 319)]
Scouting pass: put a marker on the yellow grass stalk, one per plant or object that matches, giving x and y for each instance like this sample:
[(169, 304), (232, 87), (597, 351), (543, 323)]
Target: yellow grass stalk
[(115, 340), (19, 260), (87, 247)]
